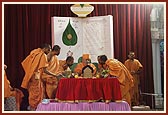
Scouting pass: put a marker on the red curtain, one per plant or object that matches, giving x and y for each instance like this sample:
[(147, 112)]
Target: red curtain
[(27, 26)]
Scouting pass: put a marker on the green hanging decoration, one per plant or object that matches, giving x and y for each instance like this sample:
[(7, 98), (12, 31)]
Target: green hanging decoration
[(69, 36), (82, 5)]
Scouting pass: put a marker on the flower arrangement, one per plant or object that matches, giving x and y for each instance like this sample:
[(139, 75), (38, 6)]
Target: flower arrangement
[(105, 73)]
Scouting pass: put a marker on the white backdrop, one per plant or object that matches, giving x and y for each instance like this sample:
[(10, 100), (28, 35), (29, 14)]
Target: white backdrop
[(94, 36)]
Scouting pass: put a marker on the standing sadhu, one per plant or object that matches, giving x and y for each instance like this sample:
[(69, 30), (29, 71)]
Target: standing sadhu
[(51, 82), (34, 65), (116, 68), (135, 68)]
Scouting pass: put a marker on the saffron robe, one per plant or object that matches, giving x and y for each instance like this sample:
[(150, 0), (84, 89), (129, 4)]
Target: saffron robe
[(51, 82), (33, 66), (61, 64), (7, 87), (62, 69), (133, 66), (116, 68), (8, 93)]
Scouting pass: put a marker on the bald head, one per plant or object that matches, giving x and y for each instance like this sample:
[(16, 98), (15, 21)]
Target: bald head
[(131, 55), (46, 48)]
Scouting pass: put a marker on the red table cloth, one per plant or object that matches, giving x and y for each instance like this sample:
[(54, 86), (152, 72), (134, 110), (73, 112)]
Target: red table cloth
[(72, 89)]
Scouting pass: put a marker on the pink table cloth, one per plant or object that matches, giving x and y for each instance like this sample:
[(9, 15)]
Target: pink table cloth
[(96, 106)]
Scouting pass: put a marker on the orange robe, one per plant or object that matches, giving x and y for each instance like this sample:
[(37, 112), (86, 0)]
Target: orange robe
[(134, 66), (123, 75), (33, 66), (79, 66), (16, 93), (7, 87), (51, 82), (62, 69), (61, 64)]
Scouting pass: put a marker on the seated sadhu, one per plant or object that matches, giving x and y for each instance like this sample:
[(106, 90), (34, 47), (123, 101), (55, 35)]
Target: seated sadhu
[(85, 62)]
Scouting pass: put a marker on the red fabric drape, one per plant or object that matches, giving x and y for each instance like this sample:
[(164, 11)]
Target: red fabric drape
[(96, 89), (27, 26)]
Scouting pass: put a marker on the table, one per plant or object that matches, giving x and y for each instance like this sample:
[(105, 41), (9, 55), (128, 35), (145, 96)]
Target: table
[(72, 89), (96, 106)]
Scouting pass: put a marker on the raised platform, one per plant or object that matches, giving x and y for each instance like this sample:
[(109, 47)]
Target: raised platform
[(96, 106)]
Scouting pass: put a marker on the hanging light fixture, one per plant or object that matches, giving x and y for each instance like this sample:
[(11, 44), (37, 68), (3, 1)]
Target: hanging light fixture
[(82, 10)]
